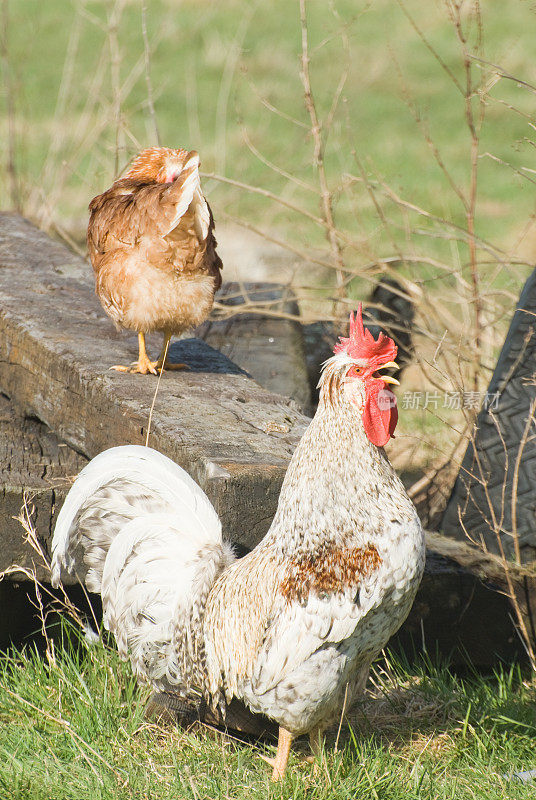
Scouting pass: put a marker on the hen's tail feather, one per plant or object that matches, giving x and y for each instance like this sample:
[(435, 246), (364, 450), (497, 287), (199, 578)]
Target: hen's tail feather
[(184, 192), (153, 545)]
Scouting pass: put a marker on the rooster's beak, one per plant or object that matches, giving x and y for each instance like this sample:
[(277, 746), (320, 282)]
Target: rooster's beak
[(388, 378)]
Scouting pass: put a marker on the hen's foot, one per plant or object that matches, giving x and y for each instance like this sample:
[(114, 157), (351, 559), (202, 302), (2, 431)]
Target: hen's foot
[(144, 364), (141, 367)]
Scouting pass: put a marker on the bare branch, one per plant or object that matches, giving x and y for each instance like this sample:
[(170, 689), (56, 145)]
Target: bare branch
[(318, 156)]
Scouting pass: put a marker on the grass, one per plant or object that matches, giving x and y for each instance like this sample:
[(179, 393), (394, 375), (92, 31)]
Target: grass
[(73, 727)]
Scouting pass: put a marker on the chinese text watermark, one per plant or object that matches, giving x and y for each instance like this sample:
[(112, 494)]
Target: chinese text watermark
[(435, 400)]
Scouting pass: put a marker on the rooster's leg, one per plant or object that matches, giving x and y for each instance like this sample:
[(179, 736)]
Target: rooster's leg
[(316, 740), (162, 358), (279, 763), (143, 365)]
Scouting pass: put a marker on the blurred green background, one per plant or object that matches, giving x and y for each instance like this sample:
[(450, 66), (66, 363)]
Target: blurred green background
[(75, 99)]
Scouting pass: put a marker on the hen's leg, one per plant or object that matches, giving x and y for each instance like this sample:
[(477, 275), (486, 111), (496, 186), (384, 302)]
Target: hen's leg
[(163, 355), (279, 763), (143, 365)]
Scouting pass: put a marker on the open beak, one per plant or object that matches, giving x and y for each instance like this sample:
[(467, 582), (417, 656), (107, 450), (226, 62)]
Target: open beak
[(388, 378)]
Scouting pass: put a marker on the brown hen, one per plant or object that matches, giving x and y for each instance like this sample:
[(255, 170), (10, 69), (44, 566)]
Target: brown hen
[(151, 242)]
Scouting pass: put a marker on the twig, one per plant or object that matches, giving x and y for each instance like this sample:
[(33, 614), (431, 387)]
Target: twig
[(461, 232), (427, 44), (522, 171), (265, 193), (474, 126), (343, 710), (274, 167), (155, 393), (503, 74), (282, 114)]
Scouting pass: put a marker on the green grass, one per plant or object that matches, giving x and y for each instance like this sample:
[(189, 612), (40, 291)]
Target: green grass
[(73, 728)]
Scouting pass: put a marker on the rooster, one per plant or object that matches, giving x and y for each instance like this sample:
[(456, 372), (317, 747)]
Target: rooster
[(151, 242), (292, 627)]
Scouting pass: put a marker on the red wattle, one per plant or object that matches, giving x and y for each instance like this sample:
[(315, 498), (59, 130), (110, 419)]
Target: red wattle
[(380, 413)]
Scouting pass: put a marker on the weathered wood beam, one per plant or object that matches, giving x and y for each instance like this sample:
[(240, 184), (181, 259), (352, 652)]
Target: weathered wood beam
[(269, 347), (36, 472), (56, 347)]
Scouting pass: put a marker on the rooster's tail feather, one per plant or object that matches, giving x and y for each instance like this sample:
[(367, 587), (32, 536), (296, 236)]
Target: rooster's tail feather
[(149, 540)]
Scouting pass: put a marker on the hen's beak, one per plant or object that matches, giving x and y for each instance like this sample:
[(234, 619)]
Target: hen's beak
[(388, 378)]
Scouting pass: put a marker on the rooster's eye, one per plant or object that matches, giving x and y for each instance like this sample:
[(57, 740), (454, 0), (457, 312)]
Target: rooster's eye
[(355, 371)]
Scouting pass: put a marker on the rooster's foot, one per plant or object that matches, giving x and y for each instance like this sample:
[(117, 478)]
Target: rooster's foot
[(279, 763), (277, 772)]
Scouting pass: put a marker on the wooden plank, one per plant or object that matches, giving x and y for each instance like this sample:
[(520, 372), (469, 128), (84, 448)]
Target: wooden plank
[(234, 437), (454, 615), (56, 347), (36, 472)]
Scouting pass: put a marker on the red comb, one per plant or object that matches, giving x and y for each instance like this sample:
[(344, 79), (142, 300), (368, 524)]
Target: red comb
[(362, 344)]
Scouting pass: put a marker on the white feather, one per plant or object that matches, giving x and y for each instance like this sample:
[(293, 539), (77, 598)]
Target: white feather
[(201, 215), (190, 187), (300, 632), (154, 471), (153, 540)]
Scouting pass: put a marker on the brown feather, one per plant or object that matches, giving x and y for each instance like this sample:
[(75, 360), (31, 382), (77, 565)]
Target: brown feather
[(328, 571)]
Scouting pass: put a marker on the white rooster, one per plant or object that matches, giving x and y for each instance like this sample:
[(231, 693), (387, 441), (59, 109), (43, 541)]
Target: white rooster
[(292, 627)]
